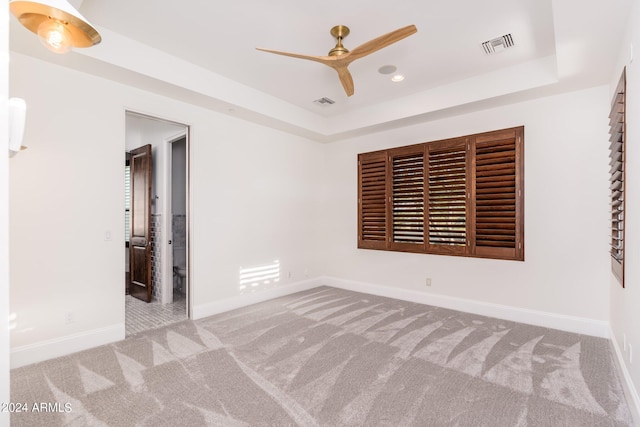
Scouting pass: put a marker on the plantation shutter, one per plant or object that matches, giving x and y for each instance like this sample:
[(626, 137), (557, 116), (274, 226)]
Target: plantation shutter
[(447, 196), (498, 191), (407, 198), (372, 196), (617, 178), (461, 196)]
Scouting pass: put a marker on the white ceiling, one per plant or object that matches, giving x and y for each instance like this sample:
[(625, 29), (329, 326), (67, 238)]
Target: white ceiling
[(204, 52)]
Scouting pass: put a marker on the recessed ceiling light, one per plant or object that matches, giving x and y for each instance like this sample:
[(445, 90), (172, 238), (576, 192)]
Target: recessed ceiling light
[(387, 69), (397, 78)]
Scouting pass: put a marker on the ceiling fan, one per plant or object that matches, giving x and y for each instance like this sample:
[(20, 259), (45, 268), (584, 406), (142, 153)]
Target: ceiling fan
[(340, 57)]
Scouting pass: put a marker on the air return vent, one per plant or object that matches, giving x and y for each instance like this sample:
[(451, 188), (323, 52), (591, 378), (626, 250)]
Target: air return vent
[(498, 44), (324, 101)]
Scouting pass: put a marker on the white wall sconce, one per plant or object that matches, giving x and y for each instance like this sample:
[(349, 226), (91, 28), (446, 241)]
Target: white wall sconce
[(17, 117), (59, 25)]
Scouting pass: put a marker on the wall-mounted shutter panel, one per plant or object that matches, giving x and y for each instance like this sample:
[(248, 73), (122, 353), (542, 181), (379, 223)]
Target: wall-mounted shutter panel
[(496, 194), (461, 196), (447, 196), (407, 198), (372, 197), (617, 177)]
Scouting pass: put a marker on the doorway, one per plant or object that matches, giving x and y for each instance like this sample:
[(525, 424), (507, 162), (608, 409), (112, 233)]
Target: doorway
[(156, 243)]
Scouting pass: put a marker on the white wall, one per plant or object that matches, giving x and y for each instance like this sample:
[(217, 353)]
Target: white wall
[(4, 214), (66, 192), (625, 303), (566, 265), (254, 199)]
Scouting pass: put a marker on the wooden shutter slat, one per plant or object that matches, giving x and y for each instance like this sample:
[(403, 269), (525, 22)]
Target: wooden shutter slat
[(617, 127), (616, 156), (615, 146), (616, 137), (616, 166), (617, 120)]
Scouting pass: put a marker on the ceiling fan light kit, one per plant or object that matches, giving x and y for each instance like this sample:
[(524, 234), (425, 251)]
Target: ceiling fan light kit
[(340, 57)]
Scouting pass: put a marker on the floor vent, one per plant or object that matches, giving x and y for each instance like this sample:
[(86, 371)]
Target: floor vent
[(324, 101), (498, 44)]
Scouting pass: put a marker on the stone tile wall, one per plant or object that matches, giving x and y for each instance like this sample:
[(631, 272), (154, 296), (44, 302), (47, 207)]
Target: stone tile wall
[(156, 260)]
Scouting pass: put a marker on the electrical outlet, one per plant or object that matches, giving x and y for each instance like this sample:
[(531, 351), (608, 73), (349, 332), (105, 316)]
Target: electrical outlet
[(428, 281), (69, 318)]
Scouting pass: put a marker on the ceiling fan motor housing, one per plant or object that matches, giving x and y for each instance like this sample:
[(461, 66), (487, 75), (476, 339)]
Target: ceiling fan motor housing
[(339, 32)]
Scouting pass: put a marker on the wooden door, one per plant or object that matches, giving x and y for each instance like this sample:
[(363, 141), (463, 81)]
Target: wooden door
[(140, 239)]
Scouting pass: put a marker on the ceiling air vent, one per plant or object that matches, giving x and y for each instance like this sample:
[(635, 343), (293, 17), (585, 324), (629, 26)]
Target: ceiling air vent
[(324, 101), (498, 44)]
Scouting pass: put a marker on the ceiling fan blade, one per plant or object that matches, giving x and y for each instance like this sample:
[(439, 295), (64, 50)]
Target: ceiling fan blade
[(381, 42), (321, 59), (345, 79), (335, 62)]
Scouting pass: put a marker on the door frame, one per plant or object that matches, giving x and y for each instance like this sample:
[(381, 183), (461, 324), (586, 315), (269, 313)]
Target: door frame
[(167, 248)]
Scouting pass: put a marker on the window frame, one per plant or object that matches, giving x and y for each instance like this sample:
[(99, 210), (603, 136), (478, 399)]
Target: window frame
[(505, 146)]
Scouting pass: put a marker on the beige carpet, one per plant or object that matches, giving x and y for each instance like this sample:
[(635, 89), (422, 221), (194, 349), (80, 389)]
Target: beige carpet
[(330, 357)]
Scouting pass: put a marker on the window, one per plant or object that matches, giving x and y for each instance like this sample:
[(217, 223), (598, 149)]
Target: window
[(461, 196), (617, 151)]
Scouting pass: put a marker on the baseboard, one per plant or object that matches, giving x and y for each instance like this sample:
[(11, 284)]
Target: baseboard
[(629, 388), (228, 304), (45, 350), (578, 325), (38, 352)]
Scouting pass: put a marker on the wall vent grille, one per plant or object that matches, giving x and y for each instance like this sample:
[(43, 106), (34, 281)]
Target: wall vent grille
[(498, 44), (324, 101)]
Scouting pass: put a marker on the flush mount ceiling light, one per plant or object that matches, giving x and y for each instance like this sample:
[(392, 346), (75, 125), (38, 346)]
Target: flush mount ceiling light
[(397, 78), (59, 25)]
